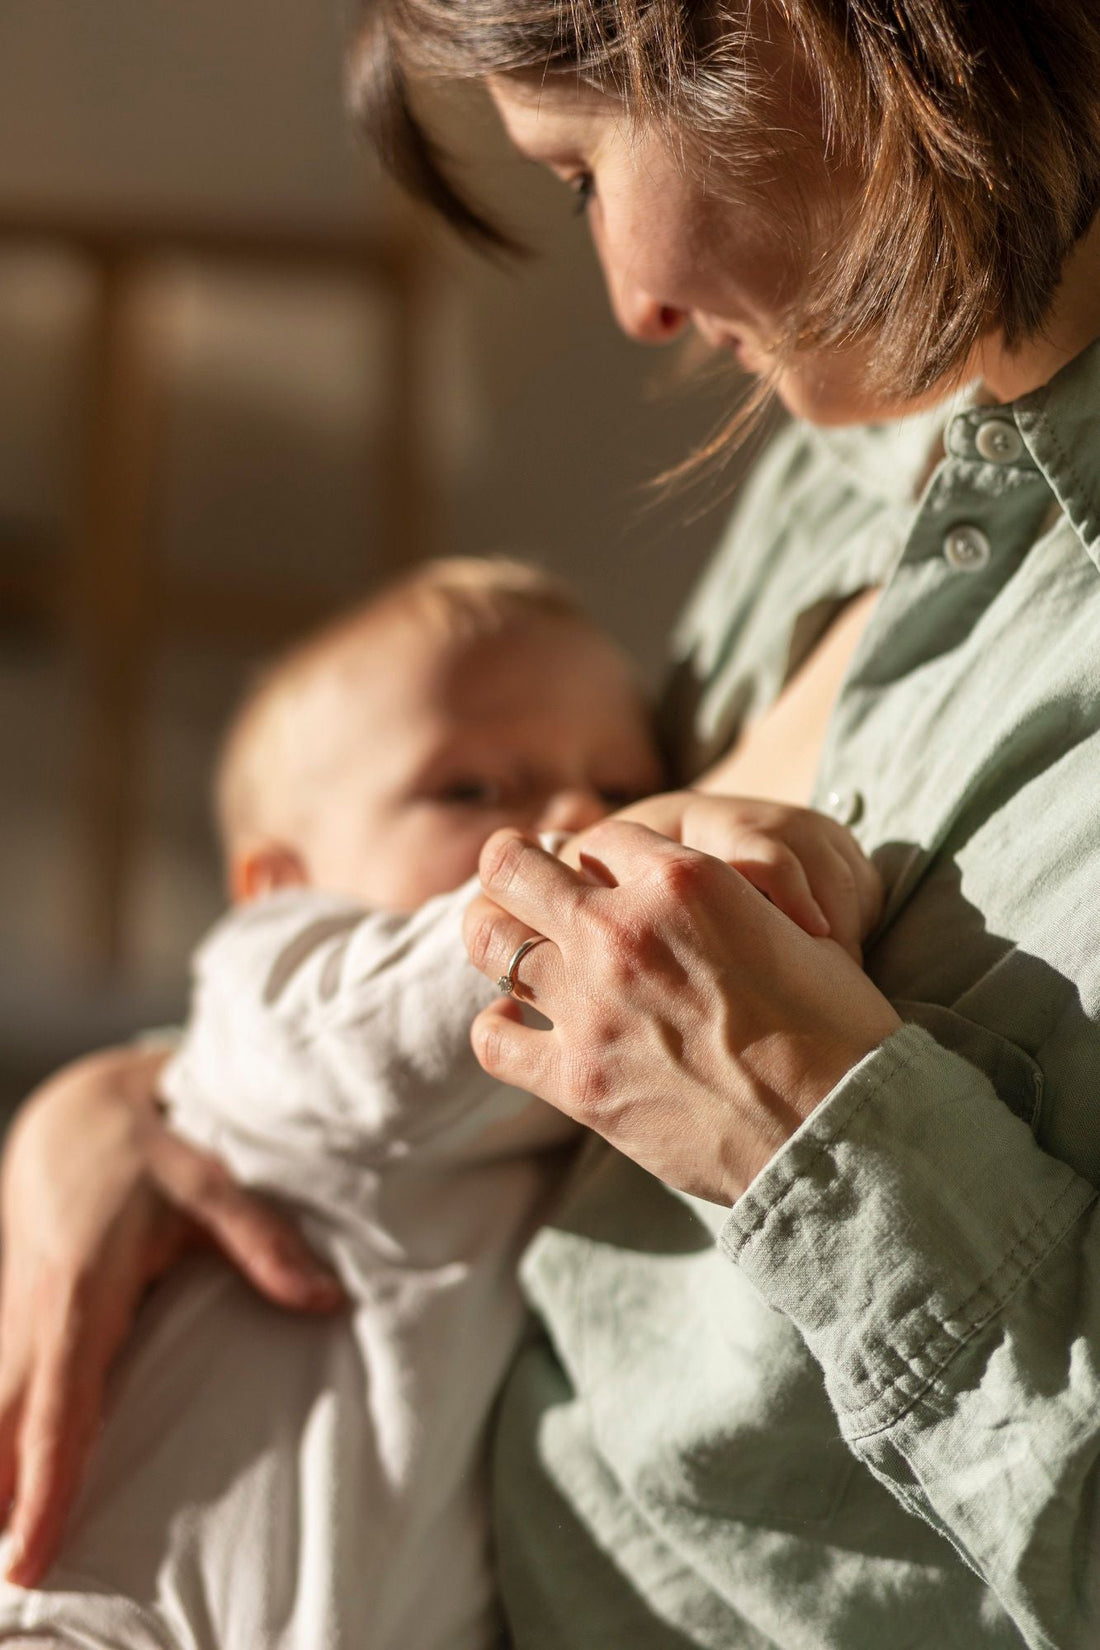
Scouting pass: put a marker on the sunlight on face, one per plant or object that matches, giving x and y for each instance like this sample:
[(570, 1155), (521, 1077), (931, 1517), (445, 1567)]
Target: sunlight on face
[(676, 255), (431, 745)]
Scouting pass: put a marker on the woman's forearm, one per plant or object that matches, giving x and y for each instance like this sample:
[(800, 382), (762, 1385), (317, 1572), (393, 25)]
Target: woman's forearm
[(964, 1373), (98, 1198)]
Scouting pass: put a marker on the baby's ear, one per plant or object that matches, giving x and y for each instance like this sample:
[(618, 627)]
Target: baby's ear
[(263, 868)]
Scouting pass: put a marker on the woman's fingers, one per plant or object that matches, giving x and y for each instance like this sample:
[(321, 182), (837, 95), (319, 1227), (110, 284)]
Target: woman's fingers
[(264, 1245), (515, 1053), (849, 889), (493, 938), (57, 1397), (61, 1414), (84, 1233), (531, 885), (838, 889), (11, 1409)]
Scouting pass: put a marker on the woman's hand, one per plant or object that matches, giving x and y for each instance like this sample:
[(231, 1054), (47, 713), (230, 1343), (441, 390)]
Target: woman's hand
[(694, 1025), (99, 1199)]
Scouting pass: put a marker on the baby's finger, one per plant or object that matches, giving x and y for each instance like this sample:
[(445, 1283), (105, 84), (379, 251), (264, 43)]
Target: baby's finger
[(262, 1244), (515, 1053), (778, 873), (837, 887)]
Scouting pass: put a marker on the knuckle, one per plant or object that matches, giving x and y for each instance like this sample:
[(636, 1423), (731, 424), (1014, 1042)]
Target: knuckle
[(481, 938), (680, 878), (590, 1086), (500, 858), (772, 854), (209, 1185), (488, 1044)]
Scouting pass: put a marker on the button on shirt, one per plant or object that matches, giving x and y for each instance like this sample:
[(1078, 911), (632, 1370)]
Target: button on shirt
[(863, 1408)]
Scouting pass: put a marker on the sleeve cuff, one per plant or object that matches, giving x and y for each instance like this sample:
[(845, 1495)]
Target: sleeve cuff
[(898, 1221)]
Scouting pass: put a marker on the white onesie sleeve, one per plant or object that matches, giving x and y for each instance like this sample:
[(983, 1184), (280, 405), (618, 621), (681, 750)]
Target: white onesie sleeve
[(328, 1023)]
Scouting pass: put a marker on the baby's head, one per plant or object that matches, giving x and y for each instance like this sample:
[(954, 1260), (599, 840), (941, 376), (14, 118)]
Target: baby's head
[(376, 757)]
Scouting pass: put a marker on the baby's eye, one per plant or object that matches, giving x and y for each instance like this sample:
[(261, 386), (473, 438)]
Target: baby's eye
[(472, 793), (619, 796)]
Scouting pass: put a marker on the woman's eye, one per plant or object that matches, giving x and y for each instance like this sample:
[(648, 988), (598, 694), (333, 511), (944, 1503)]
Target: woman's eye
[(583, 186)]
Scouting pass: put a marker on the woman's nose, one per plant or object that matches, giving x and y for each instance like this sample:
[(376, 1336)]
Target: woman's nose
[(644, 318), (639, 314), (572, 810)]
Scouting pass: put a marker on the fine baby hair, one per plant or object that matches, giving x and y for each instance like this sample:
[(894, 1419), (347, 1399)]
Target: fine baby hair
[(458, 599)]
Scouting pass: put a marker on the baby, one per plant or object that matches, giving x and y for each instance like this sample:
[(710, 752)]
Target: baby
[(265, 1481)]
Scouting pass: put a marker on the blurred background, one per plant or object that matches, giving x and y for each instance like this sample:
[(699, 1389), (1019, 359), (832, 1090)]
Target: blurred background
[(239, 382)]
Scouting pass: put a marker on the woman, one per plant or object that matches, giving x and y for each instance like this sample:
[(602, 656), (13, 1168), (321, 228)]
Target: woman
[(869, 1413)]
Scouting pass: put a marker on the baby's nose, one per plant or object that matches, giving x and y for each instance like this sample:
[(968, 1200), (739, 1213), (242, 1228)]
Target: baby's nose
[(572, 810)]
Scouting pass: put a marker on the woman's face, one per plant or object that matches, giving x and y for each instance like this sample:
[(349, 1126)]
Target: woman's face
[(676, 256)]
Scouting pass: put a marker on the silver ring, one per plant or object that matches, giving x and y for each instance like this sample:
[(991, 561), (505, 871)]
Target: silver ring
[(507, 983)]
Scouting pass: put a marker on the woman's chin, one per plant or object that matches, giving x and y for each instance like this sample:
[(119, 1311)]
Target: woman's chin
[(834, 391), (830, 397)]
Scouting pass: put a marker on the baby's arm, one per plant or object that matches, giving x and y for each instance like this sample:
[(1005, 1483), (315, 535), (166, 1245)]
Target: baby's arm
[(318, 1028), (805, 863)]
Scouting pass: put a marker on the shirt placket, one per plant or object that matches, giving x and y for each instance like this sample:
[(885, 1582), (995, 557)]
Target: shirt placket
[(981, 512)]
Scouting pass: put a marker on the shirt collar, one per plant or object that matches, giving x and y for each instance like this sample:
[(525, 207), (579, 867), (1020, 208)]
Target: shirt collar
[(891, 460), (1060, 424)]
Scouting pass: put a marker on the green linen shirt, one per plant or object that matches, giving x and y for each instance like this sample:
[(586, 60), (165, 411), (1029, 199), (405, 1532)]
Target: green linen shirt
[(862, 1410)]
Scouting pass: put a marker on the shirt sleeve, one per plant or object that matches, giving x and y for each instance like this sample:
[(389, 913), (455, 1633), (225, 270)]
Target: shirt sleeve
[(945, 1272)]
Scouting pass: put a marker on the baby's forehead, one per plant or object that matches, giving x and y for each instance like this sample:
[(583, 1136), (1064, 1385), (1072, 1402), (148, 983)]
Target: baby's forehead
[(414, 674), (423, 652)]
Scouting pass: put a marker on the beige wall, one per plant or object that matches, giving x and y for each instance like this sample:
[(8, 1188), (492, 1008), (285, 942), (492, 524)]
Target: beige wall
[(545, 417)]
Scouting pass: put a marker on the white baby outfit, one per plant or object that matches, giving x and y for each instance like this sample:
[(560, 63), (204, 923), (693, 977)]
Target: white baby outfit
[(271, 1482)]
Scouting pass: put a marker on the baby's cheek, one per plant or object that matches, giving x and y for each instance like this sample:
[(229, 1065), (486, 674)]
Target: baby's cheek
[(447, 855)]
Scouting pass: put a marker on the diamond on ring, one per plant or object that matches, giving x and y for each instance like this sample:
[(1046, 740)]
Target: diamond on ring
[(507, 982)]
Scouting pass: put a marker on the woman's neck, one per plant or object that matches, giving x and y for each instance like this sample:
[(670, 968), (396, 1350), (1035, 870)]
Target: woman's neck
[(1073, 324)]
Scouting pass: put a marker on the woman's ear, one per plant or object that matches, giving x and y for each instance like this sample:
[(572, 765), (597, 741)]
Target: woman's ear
[(263, 868)]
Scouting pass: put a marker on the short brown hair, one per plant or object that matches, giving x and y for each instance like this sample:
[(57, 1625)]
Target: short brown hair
[(973, 127)]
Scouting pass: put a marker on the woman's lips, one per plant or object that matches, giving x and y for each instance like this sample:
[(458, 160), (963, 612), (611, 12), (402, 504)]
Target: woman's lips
[(748, 353), (739, 344)]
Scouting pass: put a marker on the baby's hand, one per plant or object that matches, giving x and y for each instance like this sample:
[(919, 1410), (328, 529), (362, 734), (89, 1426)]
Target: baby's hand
[(809, 866), (805, 863)]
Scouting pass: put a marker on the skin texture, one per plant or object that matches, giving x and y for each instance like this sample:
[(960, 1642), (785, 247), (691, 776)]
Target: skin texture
[(694, 1025), (79, 1253), (666, 975)]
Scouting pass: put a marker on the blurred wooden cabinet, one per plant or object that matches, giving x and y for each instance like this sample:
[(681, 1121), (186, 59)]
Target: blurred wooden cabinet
[(116, 597)]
